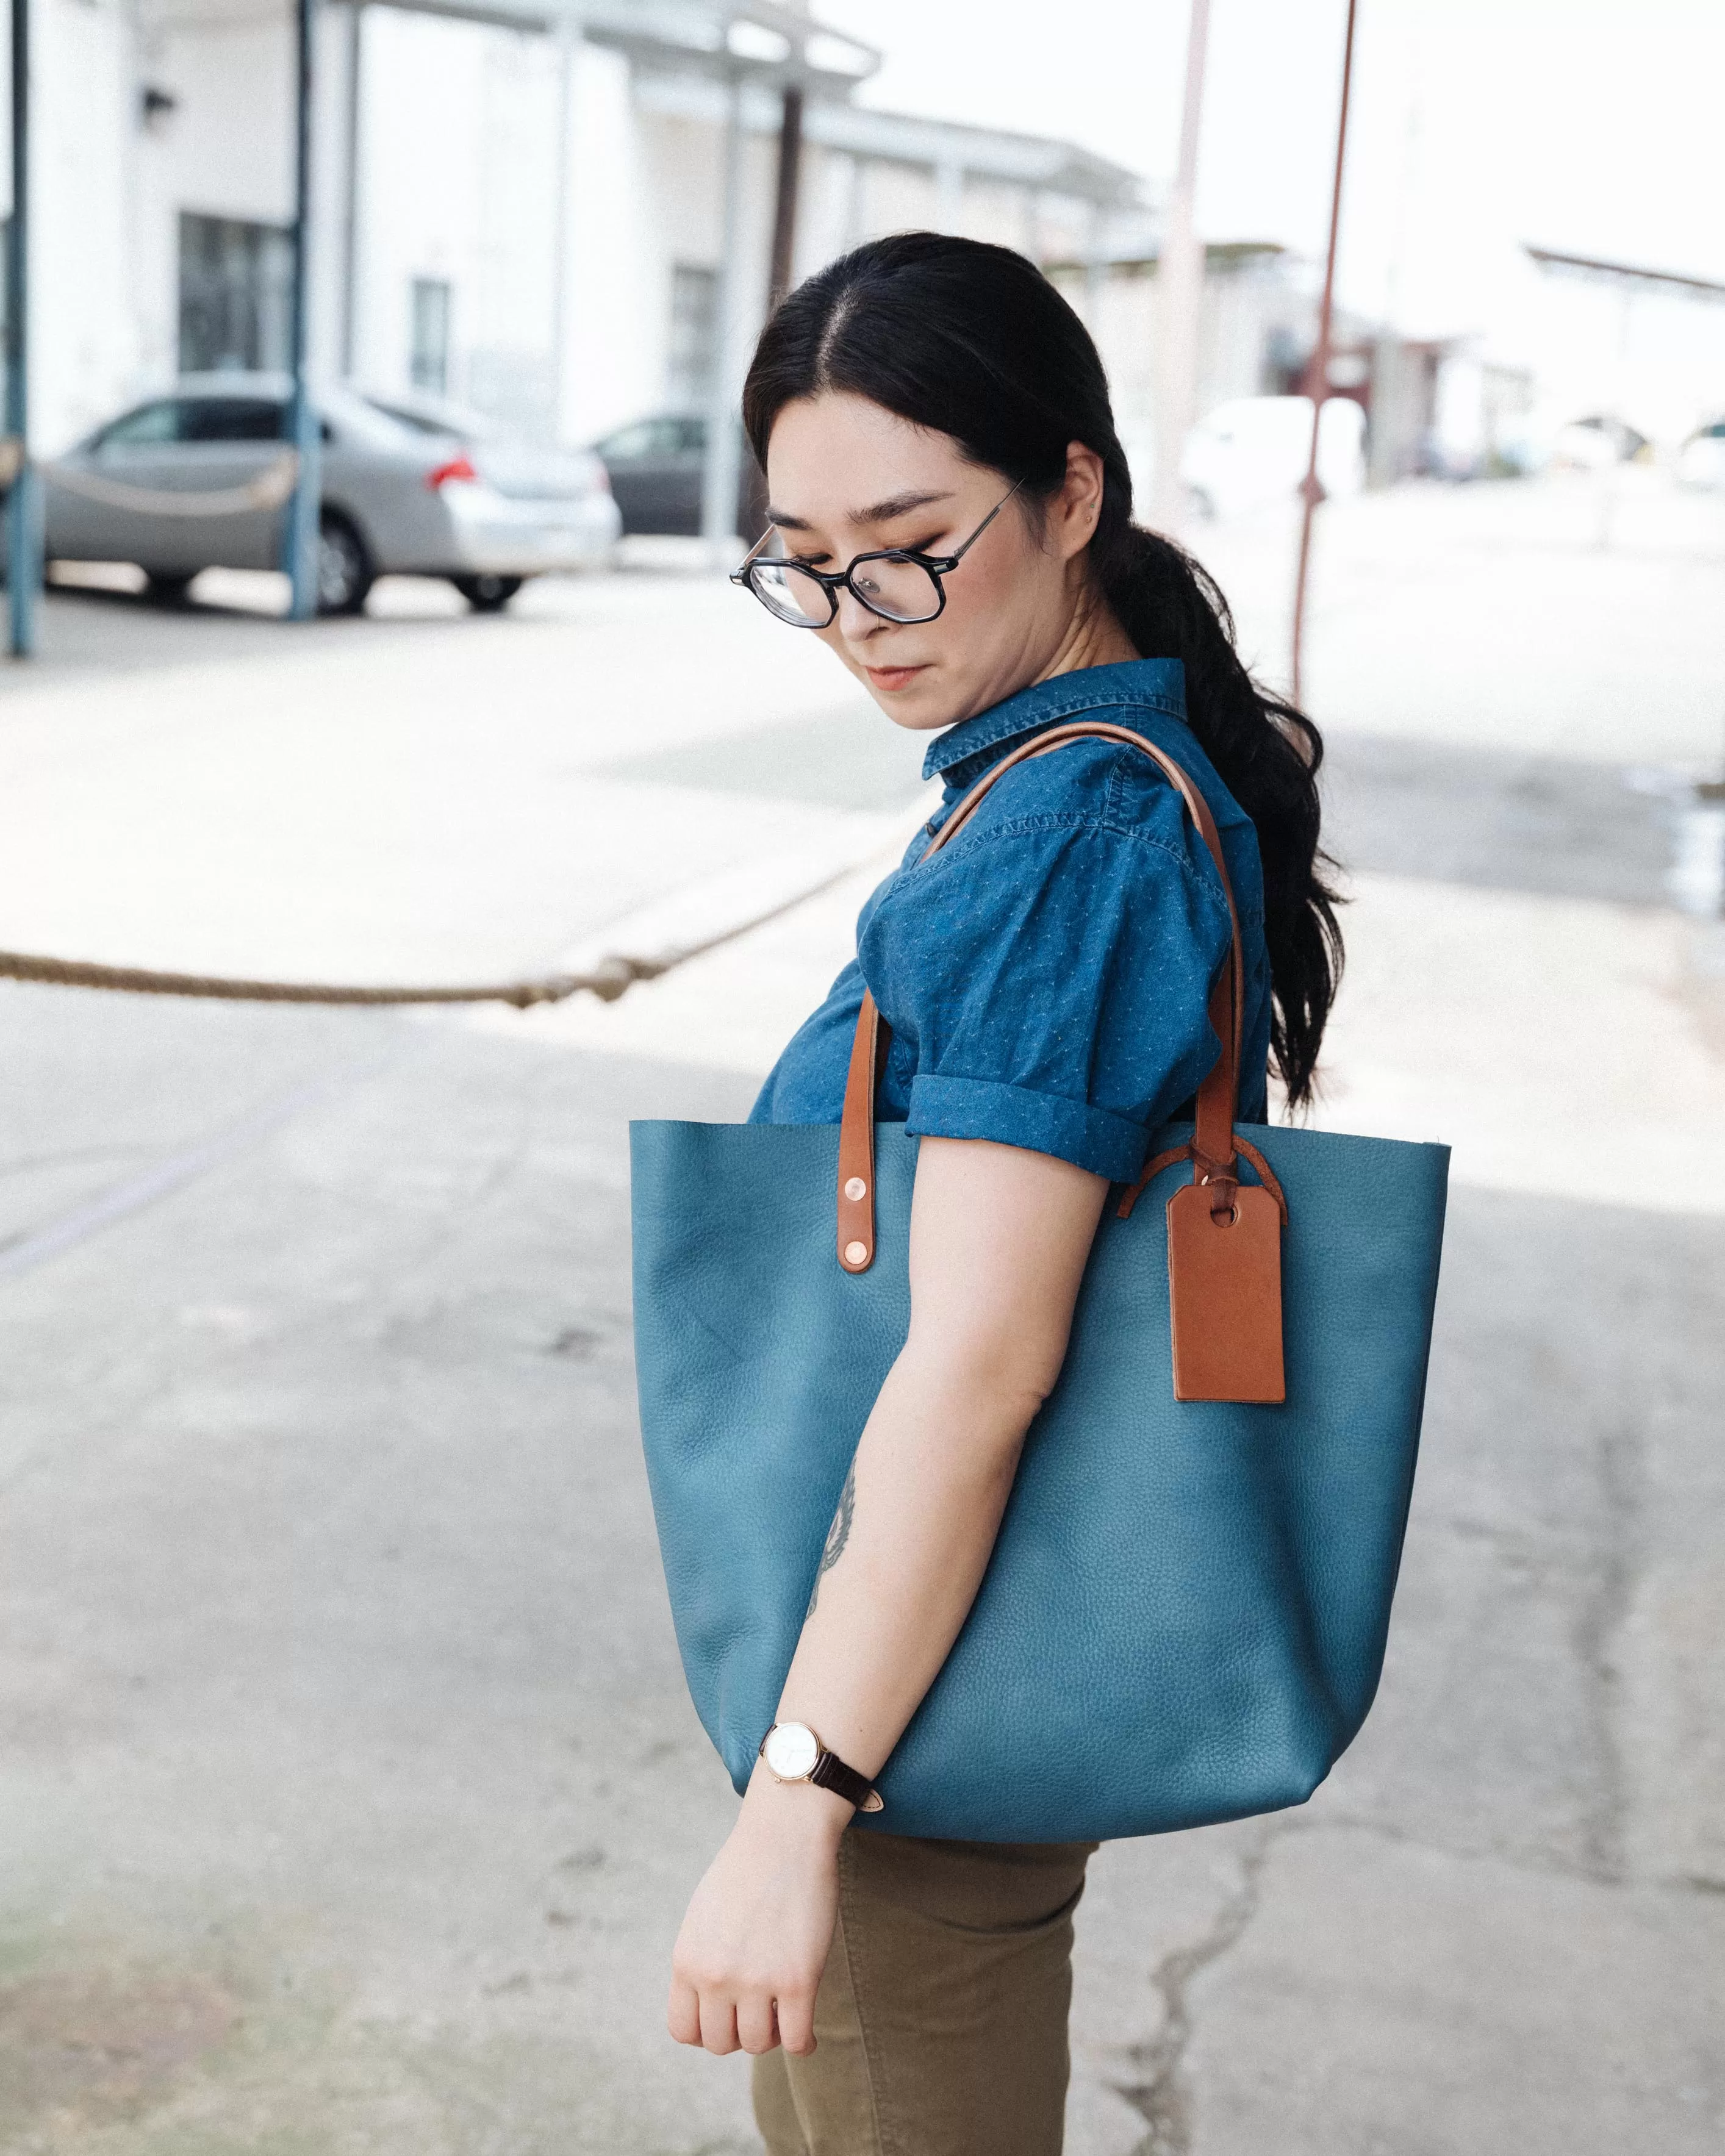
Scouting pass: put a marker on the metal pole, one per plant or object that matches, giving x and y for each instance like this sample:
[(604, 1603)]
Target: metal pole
[(1179, 281), (1096, 272), (1310, 491), (300, 546), (567, 39), (1610, 482), (24, 521), (722, 469), (784, 202), (350, 195)]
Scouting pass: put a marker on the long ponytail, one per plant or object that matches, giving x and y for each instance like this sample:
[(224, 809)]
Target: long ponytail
[(1267, 754), (972, 342)]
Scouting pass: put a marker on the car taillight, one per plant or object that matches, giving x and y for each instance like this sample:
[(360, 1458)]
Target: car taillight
[(460, 467)]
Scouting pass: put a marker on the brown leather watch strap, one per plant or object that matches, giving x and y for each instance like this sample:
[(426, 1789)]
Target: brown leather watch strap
[(830, 1772)]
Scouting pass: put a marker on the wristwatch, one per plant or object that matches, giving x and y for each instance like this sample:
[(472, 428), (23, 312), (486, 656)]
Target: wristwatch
[(794, 1753)]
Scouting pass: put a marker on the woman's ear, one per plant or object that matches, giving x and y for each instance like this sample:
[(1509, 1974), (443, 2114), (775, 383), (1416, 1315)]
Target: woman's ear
[(1078, 506)]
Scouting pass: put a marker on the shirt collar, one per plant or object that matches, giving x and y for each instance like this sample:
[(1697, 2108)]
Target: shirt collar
[(964, 753)]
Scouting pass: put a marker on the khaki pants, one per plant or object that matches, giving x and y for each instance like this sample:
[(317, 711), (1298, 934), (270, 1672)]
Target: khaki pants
[(941, 2025)]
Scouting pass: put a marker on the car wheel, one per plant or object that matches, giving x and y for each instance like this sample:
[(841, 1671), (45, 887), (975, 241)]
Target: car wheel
[(344, 571), (166, 590), (488, 594)]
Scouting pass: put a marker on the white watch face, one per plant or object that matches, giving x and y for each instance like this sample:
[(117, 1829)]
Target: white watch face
[(792, 1750)]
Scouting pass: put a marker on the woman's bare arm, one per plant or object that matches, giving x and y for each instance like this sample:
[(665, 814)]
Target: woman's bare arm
[(999, 1240)]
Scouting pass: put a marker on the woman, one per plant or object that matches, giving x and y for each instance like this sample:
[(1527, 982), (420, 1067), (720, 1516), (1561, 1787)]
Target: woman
[(932, 406)]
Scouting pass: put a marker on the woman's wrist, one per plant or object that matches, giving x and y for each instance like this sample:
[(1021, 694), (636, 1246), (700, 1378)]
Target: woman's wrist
[(794, 1810)]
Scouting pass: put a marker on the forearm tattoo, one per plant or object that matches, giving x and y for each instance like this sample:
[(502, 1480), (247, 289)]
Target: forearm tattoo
[(837, 1536)]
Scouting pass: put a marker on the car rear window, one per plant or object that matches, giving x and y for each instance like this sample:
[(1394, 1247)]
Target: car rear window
[(415, 423), (648, 438), (231, 419), (451, 426)]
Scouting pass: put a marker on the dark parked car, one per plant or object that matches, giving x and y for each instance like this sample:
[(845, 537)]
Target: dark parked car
[(655, 466)]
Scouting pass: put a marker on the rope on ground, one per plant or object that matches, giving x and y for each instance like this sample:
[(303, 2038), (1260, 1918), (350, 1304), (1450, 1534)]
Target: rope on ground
[(266, 489), (612, 976)]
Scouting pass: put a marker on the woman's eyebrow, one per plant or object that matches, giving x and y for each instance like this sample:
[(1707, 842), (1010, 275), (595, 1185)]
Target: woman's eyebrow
[(898, 504), (883, 512)]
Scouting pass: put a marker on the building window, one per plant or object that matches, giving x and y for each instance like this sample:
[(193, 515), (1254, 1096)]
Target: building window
[(694, 337), (236, 286), (428, 359)]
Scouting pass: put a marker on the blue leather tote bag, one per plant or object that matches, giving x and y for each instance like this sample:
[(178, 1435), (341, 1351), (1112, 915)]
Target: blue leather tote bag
[(1184, 1617)]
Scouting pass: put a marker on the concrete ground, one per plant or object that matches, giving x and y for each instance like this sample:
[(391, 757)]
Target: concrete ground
[(347, 1784)]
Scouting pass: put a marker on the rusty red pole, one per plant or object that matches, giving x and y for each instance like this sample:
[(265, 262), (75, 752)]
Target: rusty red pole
[(785, 194), (1311, 492)]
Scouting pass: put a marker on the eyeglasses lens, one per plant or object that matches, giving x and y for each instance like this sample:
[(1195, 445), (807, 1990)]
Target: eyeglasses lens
[(901, 591), (791, 595)]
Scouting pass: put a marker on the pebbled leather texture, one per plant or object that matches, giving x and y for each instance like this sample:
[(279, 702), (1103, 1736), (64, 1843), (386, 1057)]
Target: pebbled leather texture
[(1184, 1618)]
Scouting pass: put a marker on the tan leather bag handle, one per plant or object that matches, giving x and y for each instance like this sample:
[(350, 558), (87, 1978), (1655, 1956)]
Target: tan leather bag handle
[(1214, 1144)]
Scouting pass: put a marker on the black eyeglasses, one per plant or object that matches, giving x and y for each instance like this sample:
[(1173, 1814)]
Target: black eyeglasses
[(898, 585)]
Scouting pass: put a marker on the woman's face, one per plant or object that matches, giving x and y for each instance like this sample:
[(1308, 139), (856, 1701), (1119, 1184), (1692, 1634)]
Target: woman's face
[(846, 477)]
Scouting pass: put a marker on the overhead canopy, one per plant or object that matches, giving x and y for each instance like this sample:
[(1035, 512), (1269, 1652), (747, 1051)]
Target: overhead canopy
[(1030, 161), (763, 41), (1628, 274)]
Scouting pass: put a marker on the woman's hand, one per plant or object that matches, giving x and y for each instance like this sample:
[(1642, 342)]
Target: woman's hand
[(749, 1957)]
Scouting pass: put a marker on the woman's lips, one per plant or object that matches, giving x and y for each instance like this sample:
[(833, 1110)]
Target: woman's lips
[(893, 677)]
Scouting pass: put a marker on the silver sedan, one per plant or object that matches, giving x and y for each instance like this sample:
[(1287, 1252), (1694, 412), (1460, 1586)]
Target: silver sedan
[(199, 477)]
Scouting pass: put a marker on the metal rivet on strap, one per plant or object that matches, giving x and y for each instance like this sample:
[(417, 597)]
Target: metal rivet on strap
[(855, 1253), (856, 1188)]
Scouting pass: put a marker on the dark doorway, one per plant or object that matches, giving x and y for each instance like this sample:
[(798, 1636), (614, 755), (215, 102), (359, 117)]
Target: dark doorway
[(694, 337), (429, 353), (235, 278)]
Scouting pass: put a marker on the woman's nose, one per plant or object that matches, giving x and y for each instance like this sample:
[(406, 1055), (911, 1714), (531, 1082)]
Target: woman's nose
[(855, 621)]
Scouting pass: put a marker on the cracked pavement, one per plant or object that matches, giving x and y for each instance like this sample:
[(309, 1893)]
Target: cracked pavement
[(347, 1784)]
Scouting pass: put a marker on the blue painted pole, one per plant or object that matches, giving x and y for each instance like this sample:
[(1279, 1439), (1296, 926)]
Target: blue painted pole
[(23, 521), (300, 539)]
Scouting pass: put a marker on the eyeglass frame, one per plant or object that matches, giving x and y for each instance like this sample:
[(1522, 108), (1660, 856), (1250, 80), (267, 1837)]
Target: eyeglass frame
[(831, 582)]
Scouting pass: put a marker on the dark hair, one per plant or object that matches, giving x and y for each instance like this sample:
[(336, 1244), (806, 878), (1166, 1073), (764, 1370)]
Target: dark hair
[(972, 342)]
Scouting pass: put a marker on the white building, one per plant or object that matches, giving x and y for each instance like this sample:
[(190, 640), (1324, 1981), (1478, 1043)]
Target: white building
[(520, 204), (520, 207)]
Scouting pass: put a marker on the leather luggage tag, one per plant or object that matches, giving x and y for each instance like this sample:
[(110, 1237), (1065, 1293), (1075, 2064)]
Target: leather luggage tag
[(1225, 1293)]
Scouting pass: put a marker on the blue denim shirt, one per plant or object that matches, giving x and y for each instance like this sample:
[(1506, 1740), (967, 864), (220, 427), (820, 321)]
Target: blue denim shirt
[(1046, 976)]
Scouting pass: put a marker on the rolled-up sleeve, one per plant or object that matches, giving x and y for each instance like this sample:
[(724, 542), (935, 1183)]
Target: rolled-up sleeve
[(1053, 980)]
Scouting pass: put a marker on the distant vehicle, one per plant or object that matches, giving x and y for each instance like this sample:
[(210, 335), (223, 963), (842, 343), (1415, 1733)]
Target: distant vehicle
[(1700, 461), (656, 465), (1596, 443), (1253, 450), (406, 487)]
